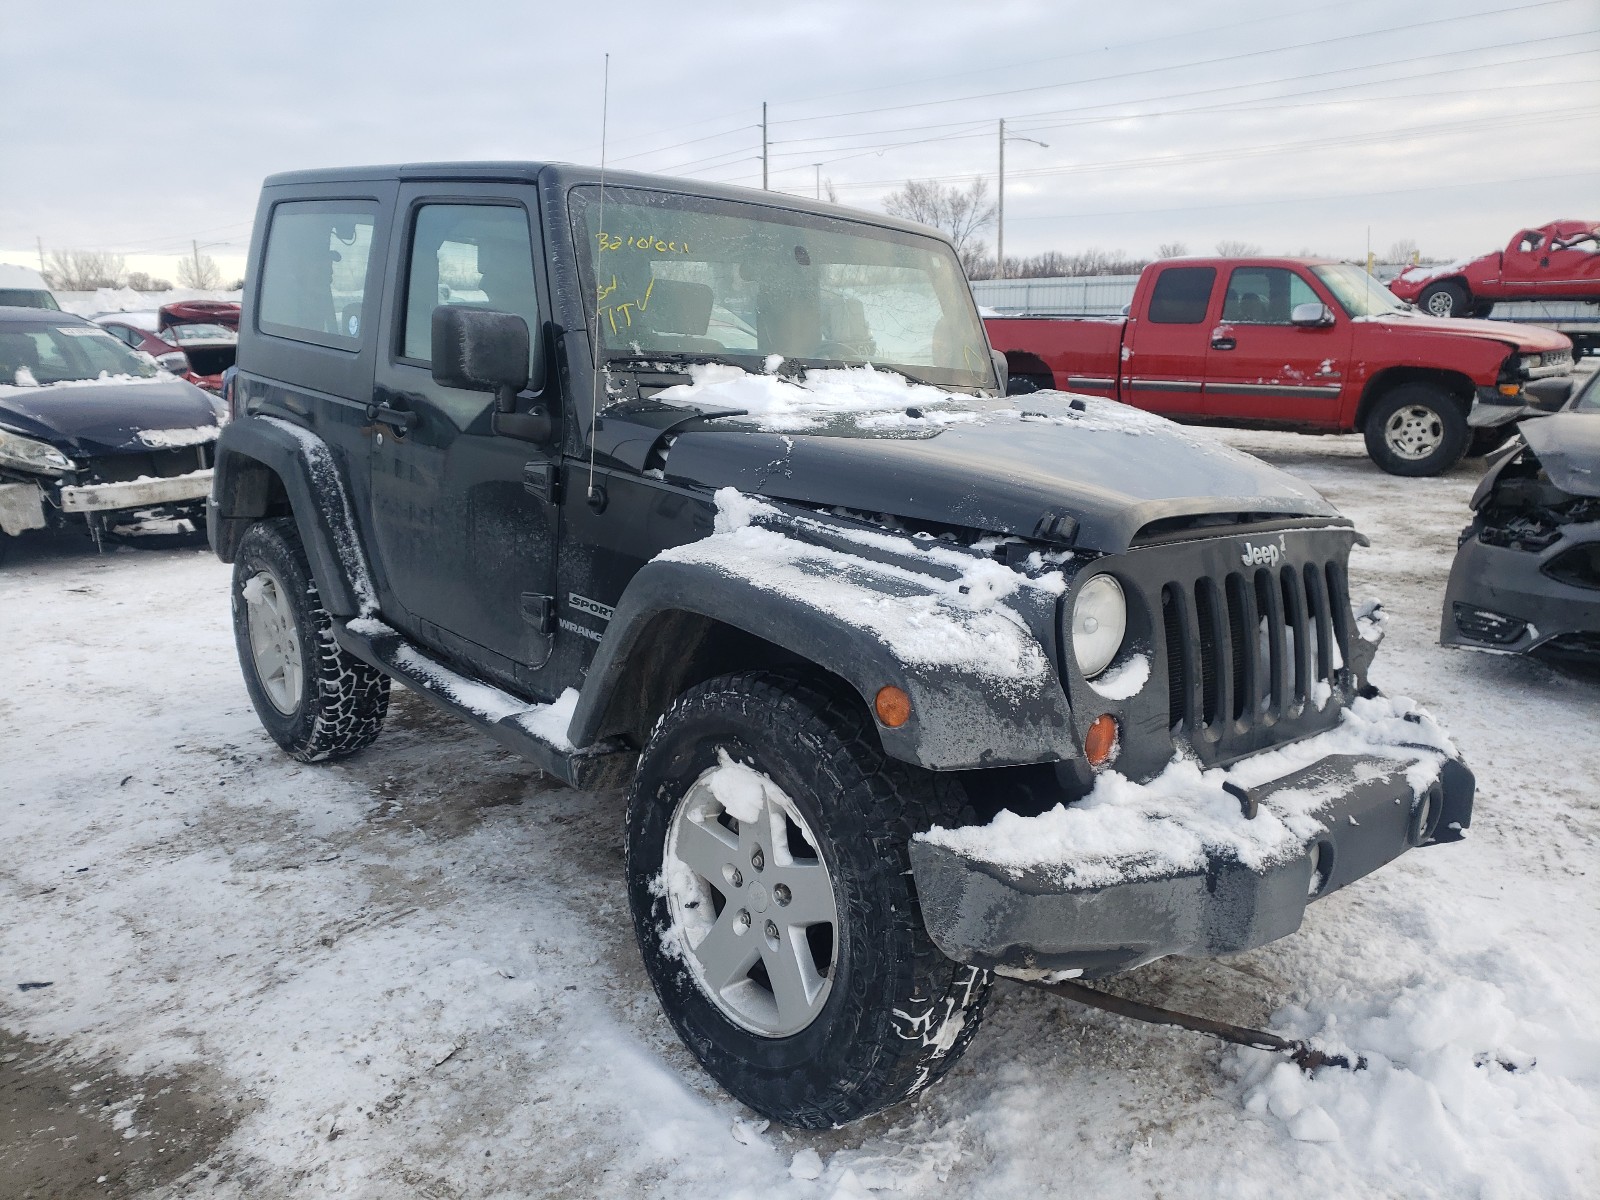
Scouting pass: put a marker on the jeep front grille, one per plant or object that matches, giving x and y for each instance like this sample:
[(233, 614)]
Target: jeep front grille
[(1253, 654)]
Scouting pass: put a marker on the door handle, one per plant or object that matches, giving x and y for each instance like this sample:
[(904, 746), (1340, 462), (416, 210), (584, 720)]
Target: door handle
[(399, 419), (1223, 343)]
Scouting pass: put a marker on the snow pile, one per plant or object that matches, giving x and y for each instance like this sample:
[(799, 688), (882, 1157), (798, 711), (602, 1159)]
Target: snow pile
[(1466, 1081), (925, 620), (170, 439), (785, 405), (1125, 830)]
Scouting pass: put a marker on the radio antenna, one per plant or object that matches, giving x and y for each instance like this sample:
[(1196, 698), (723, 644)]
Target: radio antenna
[(594, 328)]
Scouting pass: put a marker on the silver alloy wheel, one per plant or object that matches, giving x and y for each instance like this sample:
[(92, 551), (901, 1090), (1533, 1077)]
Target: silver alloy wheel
[(274, 641), (1413, 432), (1441, 303), (765, 958)]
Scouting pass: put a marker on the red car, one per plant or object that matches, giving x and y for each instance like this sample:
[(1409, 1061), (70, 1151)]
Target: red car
[(195, 339), (1290, 343), (1558, 261)]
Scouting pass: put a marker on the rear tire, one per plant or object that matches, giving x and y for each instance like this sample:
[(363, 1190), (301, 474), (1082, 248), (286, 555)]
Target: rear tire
[(1417, 429), (1447, 298), (317, 701), (880, 1013)]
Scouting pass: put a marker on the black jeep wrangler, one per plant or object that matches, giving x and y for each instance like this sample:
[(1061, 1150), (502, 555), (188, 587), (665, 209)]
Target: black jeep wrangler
[(719, 495)]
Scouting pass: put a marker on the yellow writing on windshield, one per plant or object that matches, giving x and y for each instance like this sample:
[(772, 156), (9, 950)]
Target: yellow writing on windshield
[(626, 309), (616, 241)]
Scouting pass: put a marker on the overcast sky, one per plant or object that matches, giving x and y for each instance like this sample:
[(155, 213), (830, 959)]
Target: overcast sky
[(1296, 126)]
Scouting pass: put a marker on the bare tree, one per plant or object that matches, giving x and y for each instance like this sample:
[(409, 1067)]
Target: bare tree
[(83, 270), (140, 281), (962, 213), (1171, 250), (200, 273), (1233, 248), (831, 192), (1403, 251)]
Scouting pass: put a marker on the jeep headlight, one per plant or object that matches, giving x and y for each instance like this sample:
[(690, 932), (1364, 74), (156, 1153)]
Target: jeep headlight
[(31, 455), (1099, 623)]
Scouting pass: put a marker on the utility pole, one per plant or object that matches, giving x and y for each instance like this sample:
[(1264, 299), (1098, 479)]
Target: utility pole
[(1000, 213), (763, 145), (1000, 218), (40, 241), (195, 246)]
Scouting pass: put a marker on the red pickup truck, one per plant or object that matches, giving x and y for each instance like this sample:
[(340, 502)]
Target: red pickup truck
[(1291, 343), (1558, 261)]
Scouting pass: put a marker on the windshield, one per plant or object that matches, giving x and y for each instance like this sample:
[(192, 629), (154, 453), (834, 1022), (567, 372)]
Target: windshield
[(42, 354), (28, 298), (202, 333), (1358, 293), (688, 275)]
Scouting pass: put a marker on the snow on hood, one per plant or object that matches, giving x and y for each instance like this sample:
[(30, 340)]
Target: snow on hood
[(873, 442), (1427, 272), (1125, 830), (111, 415)]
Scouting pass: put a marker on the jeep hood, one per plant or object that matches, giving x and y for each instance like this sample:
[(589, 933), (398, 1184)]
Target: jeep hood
[(98, 417), (1003, 465)]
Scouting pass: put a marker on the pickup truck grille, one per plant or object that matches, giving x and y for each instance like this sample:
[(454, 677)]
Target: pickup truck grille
[(1255, 655)]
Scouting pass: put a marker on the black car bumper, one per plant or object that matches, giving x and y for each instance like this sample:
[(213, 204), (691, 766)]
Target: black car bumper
[(985, 915), (1503, 600)]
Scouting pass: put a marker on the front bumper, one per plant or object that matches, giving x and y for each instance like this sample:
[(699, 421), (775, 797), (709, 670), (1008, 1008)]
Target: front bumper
[(1500, 599), (984, 915), (1491, 408), (137, 493)]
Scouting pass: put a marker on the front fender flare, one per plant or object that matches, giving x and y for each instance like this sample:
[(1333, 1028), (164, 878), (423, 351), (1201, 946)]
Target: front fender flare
[(964, 715)]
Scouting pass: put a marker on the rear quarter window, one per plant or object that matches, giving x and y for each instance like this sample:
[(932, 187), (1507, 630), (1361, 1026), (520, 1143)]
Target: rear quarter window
[(1182, 295), (314, 271)]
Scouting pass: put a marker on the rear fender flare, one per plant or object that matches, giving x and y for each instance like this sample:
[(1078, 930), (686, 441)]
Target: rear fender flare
[(960, 719), (265, 465)]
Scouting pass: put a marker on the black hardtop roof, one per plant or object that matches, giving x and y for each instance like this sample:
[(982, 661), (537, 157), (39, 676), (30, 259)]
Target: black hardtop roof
[(567, 175), (13, 315)]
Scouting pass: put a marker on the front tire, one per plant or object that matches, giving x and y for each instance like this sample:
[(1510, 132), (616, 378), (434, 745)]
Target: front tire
[(317, 701), (1447, 298), (1417, 429), (787, 948)]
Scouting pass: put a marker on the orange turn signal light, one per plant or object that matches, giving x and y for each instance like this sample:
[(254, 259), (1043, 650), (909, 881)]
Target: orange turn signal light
[(893, 706), (1510, 389), (1100, 743)]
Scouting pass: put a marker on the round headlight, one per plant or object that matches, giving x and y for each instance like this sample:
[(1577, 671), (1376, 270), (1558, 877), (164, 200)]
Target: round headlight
[(1099, 622)]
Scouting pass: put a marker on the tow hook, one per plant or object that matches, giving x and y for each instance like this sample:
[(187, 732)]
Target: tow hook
[(1307, 1057)]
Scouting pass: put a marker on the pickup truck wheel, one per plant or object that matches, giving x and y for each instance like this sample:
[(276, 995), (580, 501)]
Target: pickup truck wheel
[(317, 701), (1446, 298), (770, 883), (1417, 429)]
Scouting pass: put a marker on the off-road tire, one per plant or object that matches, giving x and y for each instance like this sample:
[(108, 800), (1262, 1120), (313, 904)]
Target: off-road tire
[(343, 701), (899, 1012), (1446, 298), (1445, 415)]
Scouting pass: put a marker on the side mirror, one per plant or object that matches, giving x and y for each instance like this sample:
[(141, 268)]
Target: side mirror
[(481, 351), (1002, 370), (1313, 315)]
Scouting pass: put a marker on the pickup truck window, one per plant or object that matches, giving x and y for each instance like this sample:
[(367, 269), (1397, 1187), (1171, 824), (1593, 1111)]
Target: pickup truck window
[(1265, 295), (1182, 295), (471, 254), (716, 278), (1358, 293), (314, 271)]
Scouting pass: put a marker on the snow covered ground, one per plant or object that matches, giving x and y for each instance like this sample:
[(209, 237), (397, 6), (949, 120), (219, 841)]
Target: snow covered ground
[(412, 973)]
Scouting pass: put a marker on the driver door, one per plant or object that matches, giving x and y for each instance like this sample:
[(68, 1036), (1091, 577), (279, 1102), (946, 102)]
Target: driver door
[(464, 549)]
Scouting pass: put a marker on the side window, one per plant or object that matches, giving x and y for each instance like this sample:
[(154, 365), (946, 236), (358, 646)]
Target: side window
[(1264, 295), (1530, 241), (314, 271), (1182, 295), (474, 254)]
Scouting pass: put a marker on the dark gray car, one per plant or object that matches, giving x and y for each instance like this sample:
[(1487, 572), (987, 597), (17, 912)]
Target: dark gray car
[(1527, 576)]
